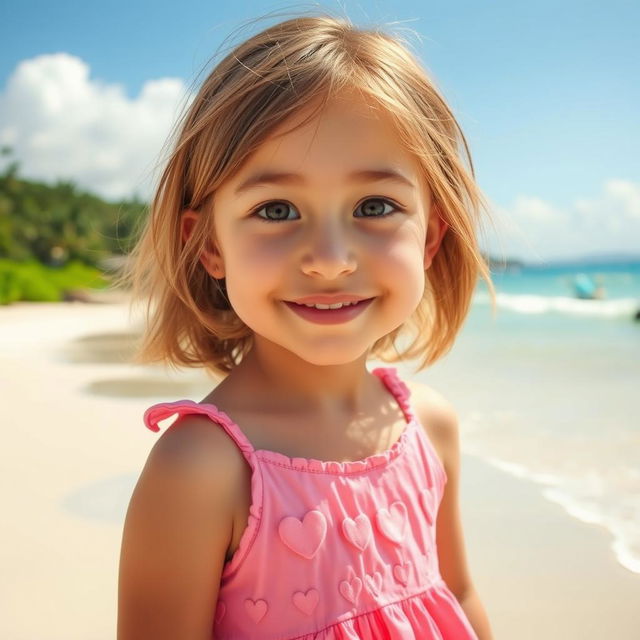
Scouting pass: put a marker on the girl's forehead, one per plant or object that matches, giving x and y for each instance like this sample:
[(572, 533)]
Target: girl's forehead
[(347, 134)]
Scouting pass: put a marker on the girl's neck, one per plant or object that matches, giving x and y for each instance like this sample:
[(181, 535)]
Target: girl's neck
[(280, 381)]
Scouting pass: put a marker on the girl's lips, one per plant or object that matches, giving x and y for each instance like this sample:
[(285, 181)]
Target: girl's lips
[(329, 316)]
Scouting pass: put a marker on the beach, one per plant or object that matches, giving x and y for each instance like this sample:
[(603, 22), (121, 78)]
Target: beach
[(540, 573), (74, 445)]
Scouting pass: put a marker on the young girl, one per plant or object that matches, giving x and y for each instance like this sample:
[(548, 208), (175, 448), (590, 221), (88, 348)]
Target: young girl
[(315, 210)]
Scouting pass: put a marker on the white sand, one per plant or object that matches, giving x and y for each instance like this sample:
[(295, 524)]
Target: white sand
[(74, 446)]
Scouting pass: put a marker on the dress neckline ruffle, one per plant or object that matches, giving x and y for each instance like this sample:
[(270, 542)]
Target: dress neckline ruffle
[(388, 375)]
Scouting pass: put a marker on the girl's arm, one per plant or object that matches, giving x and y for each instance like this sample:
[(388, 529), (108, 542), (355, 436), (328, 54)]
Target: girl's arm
[(439, 418), (176, 534), (476, 615)]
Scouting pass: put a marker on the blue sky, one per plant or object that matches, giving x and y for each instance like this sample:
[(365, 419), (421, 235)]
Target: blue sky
[(546, 92)]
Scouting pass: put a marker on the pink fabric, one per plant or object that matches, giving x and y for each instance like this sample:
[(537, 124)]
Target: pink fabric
[(337, 550)]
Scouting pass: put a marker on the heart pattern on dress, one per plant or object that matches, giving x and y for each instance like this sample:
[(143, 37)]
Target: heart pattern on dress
[(428, 501), (392, 522), (374, 582), (304, 537), (401, 572), (306, 602), (357, 531), (350, 589), (256, 609)]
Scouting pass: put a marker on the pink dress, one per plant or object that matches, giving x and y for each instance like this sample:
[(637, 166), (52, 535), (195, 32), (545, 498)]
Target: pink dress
[(337, 550)]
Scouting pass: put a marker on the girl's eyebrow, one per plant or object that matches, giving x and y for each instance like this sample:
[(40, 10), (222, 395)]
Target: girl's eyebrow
[(362, 175)]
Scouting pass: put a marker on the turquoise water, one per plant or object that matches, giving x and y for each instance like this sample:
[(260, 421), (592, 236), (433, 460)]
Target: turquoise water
[(621, 280), (549, 389)]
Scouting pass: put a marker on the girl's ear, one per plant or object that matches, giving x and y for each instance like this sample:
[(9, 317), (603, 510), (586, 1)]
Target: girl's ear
[(436, 228), (210, 258)]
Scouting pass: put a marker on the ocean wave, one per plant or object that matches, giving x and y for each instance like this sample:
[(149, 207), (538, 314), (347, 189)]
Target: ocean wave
[(531, 304), (589, 500)]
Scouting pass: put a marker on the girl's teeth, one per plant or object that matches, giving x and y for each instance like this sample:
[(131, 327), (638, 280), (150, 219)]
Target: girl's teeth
[(338, 305)]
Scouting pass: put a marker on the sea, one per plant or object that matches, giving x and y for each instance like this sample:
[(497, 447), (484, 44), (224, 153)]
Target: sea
[(548, 389)]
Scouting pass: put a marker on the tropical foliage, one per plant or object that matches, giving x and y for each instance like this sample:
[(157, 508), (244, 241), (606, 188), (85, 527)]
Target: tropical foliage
[(55, 237)]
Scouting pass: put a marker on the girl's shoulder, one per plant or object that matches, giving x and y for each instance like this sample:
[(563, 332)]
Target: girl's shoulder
[(196, 444), (195, 456), (437, 416)]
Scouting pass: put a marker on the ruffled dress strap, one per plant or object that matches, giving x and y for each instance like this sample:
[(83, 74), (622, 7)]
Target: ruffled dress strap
[(400, 391), (402, 394), (165, 410)]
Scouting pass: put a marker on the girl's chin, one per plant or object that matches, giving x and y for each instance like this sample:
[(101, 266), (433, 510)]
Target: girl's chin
[(326, 354)]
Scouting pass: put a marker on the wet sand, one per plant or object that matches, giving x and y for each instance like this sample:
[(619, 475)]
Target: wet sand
[(74, 444)]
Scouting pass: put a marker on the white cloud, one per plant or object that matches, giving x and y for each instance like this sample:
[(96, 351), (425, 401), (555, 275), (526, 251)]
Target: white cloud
[(62, 124), (536, 230)]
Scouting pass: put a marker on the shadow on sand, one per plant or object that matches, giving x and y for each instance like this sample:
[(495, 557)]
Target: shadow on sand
[(148, 387), (100, 348), (105, 501)]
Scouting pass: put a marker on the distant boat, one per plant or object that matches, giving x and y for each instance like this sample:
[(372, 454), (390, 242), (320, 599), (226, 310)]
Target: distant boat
[(586, 288)]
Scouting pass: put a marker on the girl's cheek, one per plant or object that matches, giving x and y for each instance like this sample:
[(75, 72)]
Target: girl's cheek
[(404, 248), (267, 251), (256, 259)]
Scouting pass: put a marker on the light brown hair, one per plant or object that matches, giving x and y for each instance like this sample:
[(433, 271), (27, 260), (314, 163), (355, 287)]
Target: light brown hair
[(259, 84)]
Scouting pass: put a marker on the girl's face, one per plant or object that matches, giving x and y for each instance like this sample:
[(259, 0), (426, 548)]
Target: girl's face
[(324, 229)]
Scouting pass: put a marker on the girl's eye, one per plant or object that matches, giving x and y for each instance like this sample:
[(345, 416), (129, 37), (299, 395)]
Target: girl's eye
[(374, 208), (277, 210)]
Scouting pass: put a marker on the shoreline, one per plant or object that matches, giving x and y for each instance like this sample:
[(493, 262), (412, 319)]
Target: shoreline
[(548, 488), (539, 572)]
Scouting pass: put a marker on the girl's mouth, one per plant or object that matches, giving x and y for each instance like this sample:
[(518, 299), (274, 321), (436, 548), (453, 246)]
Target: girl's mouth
[(329, 316)]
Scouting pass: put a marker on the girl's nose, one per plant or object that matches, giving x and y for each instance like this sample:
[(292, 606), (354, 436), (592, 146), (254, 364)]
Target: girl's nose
[(330, 253)]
